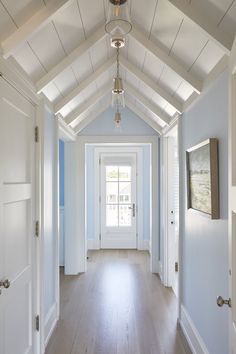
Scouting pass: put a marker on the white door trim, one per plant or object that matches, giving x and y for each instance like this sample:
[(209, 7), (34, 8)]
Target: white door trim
[(75, 153), (119, 149)]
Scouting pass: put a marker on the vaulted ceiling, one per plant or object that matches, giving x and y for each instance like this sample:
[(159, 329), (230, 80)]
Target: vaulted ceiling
[(170, 55)]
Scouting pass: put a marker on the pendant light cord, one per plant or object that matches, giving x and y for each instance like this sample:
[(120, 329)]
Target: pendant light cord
[(118, 60)]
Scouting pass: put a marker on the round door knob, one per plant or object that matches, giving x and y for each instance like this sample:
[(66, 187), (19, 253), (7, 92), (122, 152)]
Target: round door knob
[(221, 302), (5, 284)]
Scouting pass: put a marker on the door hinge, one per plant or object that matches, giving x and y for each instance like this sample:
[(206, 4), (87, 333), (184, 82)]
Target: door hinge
[(100, 237), (100, 161), (36, 134), (37, 228), (37, 323), (176, 267)]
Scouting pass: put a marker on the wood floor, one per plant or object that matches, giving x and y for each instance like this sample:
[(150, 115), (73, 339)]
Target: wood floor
[(117, 307)]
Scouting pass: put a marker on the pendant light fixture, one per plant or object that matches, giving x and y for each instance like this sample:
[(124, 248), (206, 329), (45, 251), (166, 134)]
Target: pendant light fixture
[(118, 99), (117, 118), (118, 22)]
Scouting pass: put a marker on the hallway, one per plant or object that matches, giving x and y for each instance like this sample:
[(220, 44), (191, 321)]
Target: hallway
[(117, 307)]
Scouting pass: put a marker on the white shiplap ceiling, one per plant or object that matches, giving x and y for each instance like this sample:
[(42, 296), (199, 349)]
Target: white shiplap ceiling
[(63, 48)]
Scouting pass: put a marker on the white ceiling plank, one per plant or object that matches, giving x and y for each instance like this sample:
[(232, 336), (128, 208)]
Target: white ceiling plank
[(156, 88), (34, 24), (225, 41), (99, 35), (91, 117), (74, 118), (154, 125), (78, 90), (148, 104), (165, 58)]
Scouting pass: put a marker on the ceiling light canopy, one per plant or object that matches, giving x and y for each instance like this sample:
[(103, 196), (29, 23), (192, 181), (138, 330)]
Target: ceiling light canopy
[(118, 20)]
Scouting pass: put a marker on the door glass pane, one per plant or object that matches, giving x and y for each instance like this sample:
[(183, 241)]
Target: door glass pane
[(125, 173), (125, 193), (125, 215), (111, 173), (112, 193), (112, 215)]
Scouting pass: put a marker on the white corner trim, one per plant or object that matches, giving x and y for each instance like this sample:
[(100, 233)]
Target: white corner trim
[(191, 334), (146, 245), (50, 322), (160, 270), (93, 244)]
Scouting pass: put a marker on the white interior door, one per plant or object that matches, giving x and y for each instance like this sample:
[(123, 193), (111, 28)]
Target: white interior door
[(173, 210), (17, 120), (118, 201)]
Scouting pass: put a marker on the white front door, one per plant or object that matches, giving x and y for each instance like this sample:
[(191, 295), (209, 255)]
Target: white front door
[(17, 120), (118, 201)]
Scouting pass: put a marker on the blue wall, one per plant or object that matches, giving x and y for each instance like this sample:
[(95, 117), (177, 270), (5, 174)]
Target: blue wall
[(61, 172), (204, 242), (131, 124)]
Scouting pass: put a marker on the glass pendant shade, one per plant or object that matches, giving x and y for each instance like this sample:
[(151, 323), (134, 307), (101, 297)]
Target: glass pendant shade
[(118, 19), (118, 100), (117, 119)]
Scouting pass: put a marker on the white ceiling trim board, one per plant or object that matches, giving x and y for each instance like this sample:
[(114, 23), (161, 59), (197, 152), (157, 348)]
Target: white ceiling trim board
[(79, 89), (166, 59), (154, 125), (223, 40), (96, 37), (90, 118), (34, 24), (148, 104), (156, 88), (76, 116)]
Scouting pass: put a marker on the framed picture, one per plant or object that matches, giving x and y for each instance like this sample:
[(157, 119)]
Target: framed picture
[(203, 178)]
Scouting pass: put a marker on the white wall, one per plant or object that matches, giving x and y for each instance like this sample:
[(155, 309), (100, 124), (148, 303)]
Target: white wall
[(204, 243), (50, 204)]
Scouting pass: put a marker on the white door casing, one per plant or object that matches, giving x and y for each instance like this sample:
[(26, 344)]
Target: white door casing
[(17, 216), (232, 198), (118, 201)]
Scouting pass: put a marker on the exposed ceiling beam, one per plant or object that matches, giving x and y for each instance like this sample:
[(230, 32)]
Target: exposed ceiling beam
[(79, 89), (148, 104), (96, 37), (91, 117), (34, 24), (156, 88), (75, 117), (166, 59), (200, 18), (154, 125)]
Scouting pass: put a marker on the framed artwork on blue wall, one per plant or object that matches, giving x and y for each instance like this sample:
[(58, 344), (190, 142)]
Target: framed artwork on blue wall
[(203, 178)]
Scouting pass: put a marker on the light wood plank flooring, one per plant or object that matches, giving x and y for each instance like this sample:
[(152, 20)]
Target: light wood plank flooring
[(117, 307)]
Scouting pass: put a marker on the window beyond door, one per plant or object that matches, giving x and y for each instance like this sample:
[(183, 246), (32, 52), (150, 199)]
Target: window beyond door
[(118, 196)]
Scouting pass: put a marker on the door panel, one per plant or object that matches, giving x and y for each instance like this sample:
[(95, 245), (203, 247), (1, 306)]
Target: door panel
[(118, 201), (17, 121)]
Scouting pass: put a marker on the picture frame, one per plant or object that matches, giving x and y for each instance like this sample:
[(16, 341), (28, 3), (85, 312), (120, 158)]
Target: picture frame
[(203, 178)]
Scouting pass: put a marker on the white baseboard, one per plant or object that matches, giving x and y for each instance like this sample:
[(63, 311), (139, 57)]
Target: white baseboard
[(50, 323), (93, 244), (191, 334)]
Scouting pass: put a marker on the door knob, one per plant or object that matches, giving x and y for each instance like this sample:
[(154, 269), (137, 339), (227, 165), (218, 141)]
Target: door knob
[(5, 284), (221, 302), (133, 209)]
